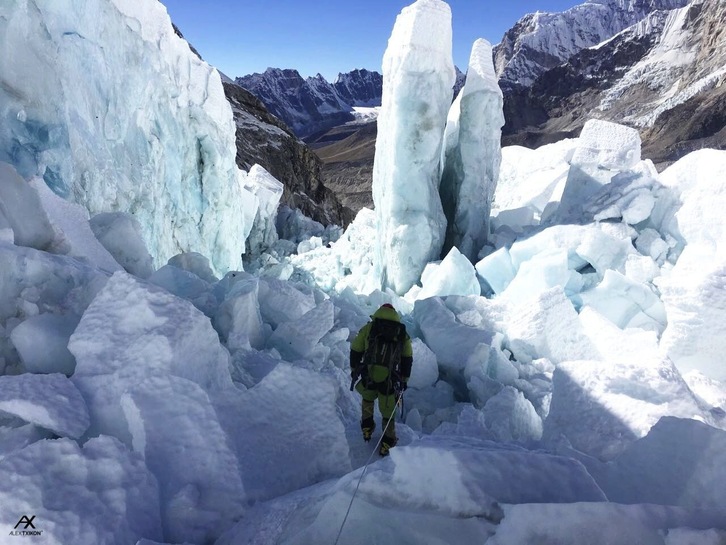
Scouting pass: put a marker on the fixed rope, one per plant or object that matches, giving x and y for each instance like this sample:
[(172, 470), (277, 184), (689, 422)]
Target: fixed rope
[(365, 468)]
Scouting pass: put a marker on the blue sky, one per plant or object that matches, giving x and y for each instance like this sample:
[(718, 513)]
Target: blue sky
[(327, 36)]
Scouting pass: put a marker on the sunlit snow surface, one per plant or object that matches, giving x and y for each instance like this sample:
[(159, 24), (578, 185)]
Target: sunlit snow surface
[(566, 387)]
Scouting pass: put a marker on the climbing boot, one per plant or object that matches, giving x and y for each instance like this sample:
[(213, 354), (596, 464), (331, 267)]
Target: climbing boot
[(367, 426), (386, 445)]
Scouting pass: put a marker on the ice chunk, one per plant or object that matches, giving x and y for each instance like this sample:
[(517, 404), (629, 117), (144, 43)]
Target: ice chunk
[(694, 291), (425, 370), (509, 416), (629, 196), (34, 282), (544, 271), (75, 237), (42, 342), (102, 486), (121, 234), (186, 285), (650, 243), (472, 154), (48, 401), (276, 429), (497, 270), (132, 332), (547, 327), (672, 465), (418, 75), (297, 339), (268, 191), (602, 407), (282, 301), (158, 140), (604, 149), (616, 344), (238, 319), (601, 523), (455, 275), (533, 178), (175, 427), (711, 391), (451, 341), (626, 303), (431, 504), (195, 263), (21, 211)]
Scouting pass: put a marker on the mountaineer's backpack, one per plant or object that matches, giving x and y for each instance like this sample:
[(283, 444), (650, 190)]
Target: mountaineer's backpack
[(382, 357)]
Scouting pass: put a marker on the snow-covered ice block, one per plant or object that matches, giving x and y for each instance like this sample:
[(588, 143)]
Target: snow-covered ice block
[(418, 75), (268, 191), (174, 425), (547, 327), (238, 319), (497, 269), (626, 303), (425, 370), (134, 331), (699, 180), (641, 268), (711, 391), (472, 154), (74, 235), (676, 463), (121, 234), (546, 270), (42, 343), (433, 490), (186, 285), (455, 275), (452, 342), (49, 401), (195, 263), (532, 178), (602, 407), (629, 196), (278, 429), (616, 344), (694, 291), (158, 140), (22, 212), (650, 243), (100, 493), (297, 339), (282, 301), (604, 149), (599, 523), (509, 416)]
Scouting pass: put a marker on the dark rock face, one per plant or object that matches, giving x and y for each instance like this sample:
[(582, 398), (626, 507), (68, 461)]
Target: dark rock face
[(360, 88), (614, 82), (265, 140)]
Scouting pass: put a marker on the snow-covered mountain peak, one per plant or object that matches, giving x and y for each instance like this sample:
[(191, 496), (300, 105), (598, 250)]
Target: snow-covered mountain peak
[(540, 41)]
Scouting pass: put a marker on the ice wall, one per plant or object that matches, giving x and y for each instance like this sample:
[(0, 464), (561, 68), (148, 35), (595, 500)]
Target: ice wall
[(472, 154), (418, 75), (104, 101)]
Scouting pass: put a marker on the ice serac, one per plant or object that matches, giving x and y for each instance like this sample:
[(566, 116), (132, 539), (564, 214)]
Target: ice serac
[(115, 112), (418, 74), (472, 155)]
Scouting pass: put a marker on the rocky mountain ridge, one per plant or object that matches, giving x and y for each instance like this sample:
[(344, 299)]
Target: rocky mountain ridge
[(312, 105)]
